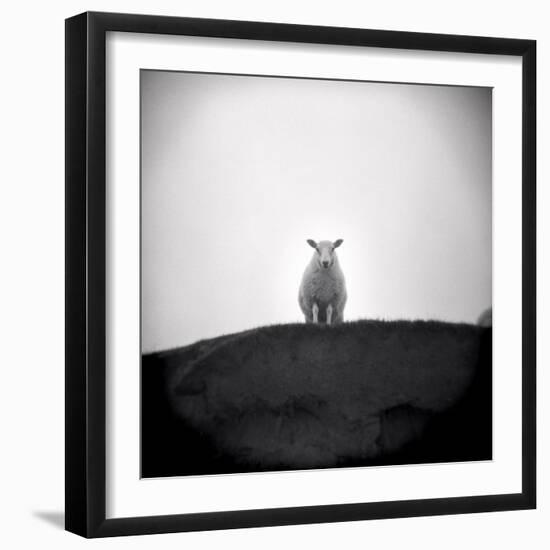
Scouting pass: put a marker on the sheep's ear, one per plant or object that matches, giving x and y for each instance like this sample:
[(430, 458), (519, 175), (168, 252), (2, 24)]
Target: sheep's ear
[(312, 243), (337, 243)]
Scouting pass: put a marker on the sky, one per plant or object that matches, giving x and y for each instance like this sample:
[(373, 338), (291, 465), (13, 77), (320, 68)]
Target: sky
[(238, 171)]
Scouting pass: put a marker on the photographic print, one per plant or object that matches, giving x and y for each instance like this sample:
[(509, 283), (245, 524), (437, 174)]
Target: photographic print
[(316, 273), (286, 248)]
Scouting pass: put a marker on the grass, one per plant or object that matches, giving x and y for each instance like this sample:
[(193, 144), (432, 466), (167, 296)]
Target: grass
[(311, 396)]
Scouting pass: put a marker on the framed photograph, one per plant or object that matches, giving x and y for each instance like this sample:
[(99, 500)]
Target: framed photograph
[(300, 274)]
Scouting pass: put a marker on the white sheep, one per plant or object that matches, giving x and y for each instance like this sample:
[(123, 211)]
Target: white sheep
[(486, 318), (322, 296)]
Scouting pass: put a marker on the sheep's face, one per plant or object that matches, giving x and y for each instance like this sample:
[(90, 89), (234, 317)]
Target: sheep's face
[(325, 251)]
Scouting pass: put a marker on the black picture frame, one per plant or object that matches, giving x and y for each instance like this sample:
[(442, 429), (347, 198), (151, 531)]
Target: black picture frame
[(86, 269)]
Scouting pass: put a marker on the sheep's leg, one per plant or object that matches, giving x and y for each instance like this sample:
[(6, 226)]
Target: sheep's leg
[(329, 314), (315, 311)]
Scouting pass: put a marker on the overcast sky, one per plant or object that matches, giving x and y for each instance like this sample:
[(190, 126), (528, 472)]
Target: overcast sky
[(238, 171)]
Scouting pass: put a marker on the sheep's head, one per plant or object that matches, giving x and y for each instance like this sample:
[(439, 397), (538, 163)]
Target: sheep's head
[(325, 251)]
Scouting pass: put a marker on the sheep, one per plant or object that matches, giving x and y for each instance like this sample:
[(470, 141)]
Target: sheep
[(322, 295), (486, 318)]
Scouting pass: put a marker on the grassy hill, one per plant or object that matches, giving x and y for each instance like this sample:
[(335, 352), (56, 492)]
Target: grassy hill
[(313, 396)]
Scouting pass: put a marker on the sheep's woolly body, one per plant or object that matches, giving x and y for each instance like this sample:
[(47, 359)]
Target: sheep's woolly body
[(324, 287)]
